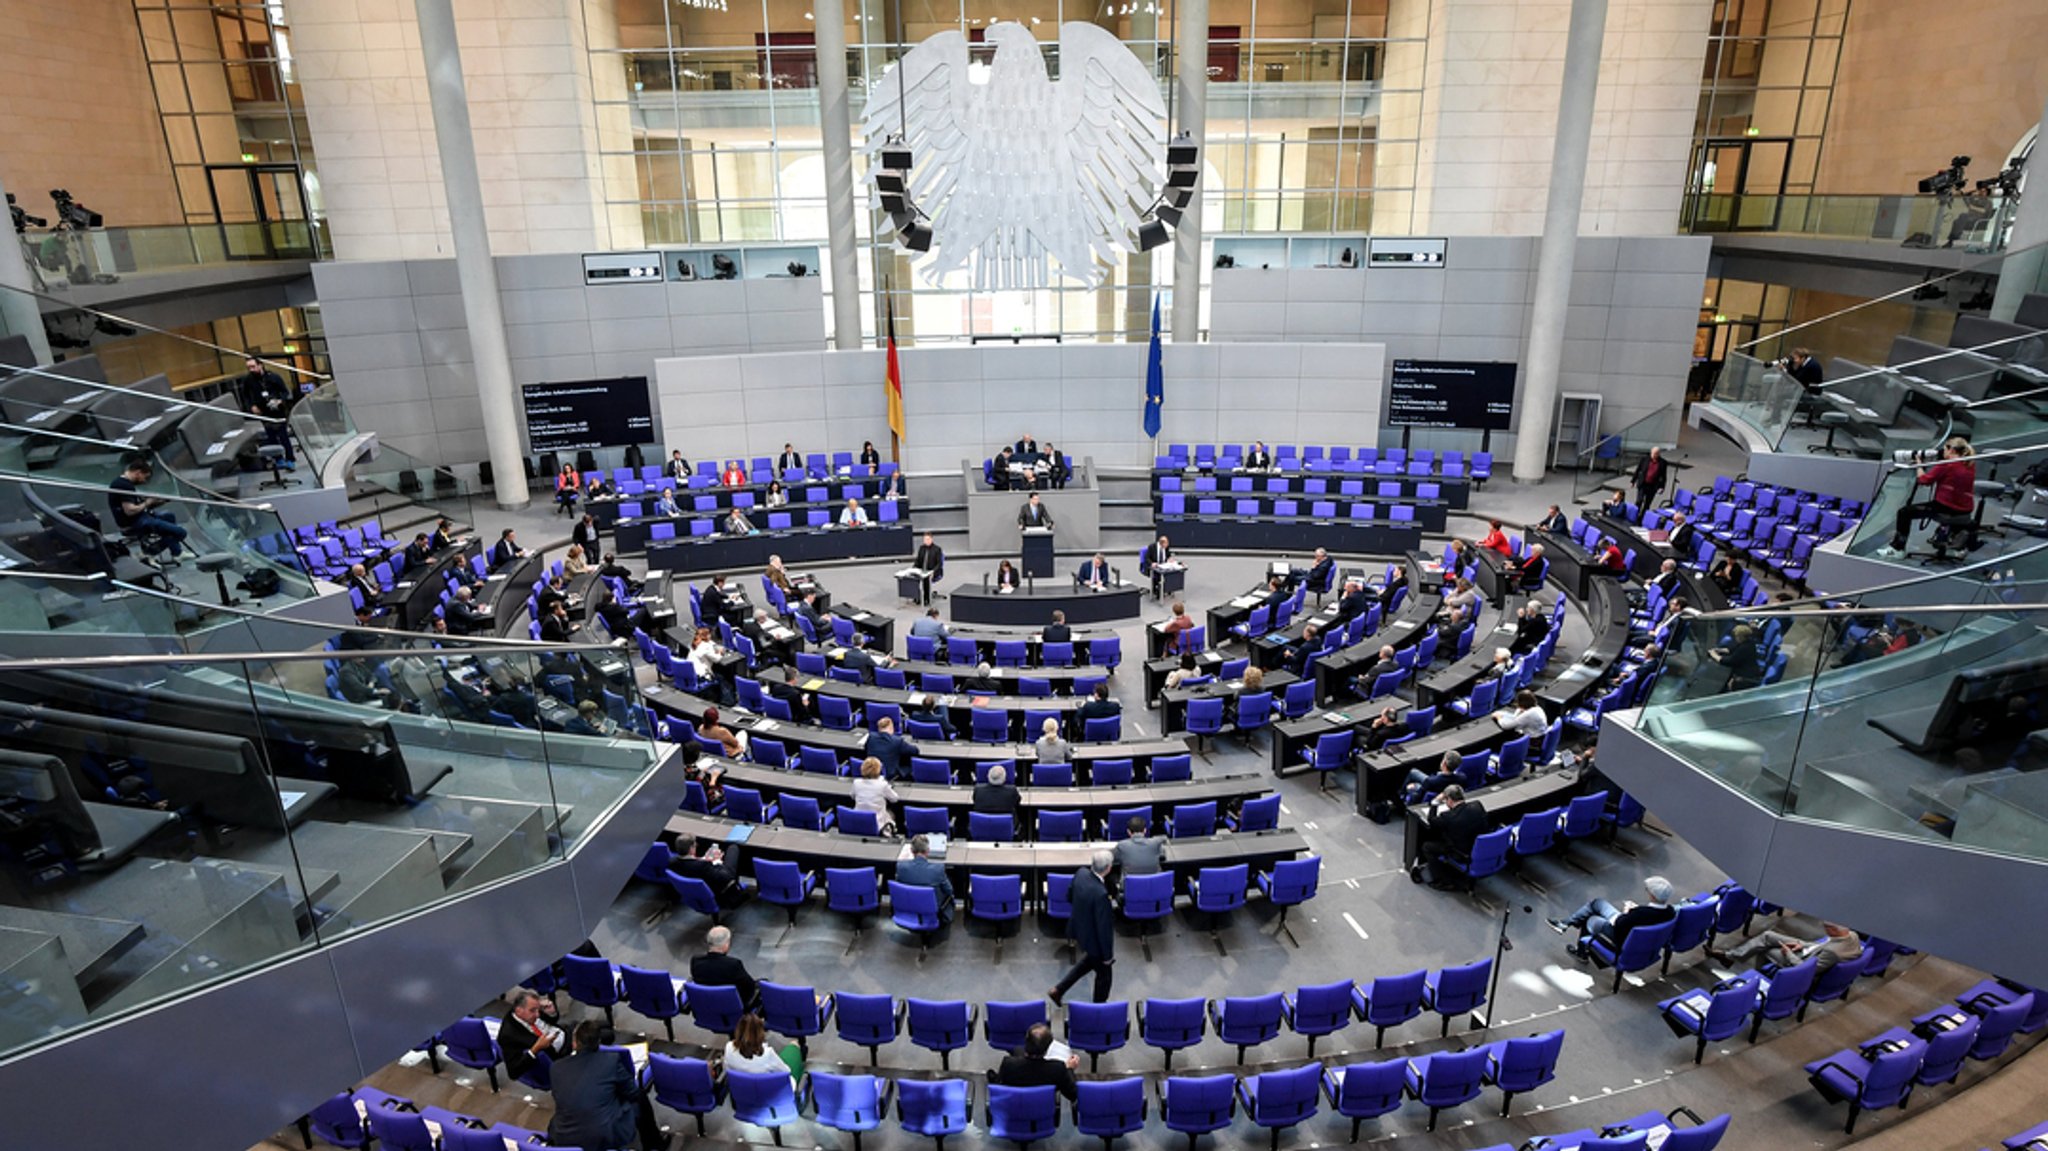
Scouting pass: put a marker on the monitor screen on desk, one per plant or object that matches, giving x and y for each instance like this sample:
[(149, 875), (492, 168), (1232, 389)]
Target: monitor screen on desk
[(1474, 394)]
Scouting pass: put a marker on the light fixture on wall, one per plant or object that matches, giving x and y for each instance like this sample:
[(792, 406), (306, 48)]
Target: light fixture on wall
[(1183, 169)]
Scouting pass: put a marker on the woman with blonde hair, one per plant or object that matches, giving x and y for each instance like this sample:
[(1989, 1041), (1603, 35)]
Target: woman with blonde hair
[(872, 792), (575, 562)]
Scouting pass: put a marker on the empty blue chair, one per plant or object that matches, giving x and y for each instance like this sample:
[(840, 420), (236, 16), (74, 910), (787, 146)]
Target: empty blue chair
[(1456, 990), (1318, 1010), (1523, 1064), (1110, 773), (1446, 1079), (854, 891), (715, 1009), (1217, 891), (1489, 857), (783, 883), (934, 1107), (1291, 882), (795, 1011), (651, 993), (1022, 1115), (1364, 1091), (591, 982), (1246, 1021), (1639, 949), (991, 826), (1195, 1106), (998, 899), (1098, 1028), (684, 1085), (1868, 1082), (1711, 1014), (850, 1103), (1783, 994), (1005, 1023), (1946, 1051), (1052, 775), (1191, 820), (1107, 729), (1280, 1099), (1172, 1024), (1332, 751), (857, 821), (990, 726), (868, 1020), (1261, 814), (395, 1130), (336, 1121), (1146, 898), (1204, 719), (941, 1025), (468, 1041), (837, 713), (801, 812), (1389, 1001), (1172, 768), (915, 909), (744, 804), (767, 1100), (1998, 1027), (1110, 1109)]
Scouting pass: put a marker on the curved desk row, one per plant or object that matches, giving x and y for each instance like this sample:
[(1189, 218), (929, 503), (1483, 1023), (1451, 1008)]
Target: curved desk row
[(1294, 534), (1505, 803), (816, 545), (1029, 606), (835, 489), (1700, 592), (635, 533), (983, 640), (1453, 490)]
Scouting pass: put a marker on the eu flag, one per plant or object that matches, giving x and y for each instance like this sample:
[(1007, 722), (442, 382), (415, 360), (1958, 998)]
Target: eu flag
[(1155, 379)]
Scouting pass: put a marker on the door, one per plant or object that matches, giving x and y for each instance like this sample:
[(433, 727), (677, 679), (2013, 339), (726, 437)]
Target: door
[(1738, 184), (261, 211)]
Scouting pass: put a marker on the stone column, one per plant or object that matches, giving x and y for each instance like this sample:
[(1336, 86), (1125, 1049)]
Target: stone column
[(2020, 273), (1190, 115), (482, 312), (835, 128), (18, 306), (1559, 248)]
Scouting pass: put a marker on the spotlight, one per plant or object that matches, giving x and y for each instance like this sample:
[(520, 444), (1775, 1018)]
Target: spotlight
[(896, 157), (1168, 213), (917, 238), (890, 181), (1151, 234)]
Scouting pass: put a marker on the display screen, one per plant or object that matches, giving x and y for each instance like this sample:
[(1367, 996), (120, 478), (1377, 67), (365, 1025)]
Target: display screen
[(1474, 394), (588, 414)]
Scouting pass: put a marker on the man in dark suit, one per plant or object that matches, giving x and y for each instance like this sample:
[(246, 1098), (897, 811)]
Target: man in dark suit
[(893, 750), (1682, 536), (419, 551), (1157, 552), (931, 560), (1094, 573), (1034, 514), (707, 863), (1276, 593), (717, 968), (586, 534), (678, 468), (506, 550), (1093, 929), (1356, 602), (1319, 572), (555, 591), (1057, 631), (264, 393), (1027, 448), (1387, 665), (1258, 459), (920, 871), (806, 607), (999, 470), (529, 1031), (998, 796), (555, 626), (1451, 830), (360, 580), (790, 458), (1530, 575), (1099, 706), (597, 1100), (464, 617), (1028, 1067), (1531, 625), (1668, 580), (1554, 521), (442, 536)]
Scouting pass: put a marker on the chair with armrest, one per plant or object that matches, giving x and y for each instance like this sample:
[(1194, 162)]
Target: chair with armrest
[(941, 1025), (1712, 1014), (1457, 991), (1277, 1100), (1522, 1064), (1364, 1091), (1197, 1105), (1389, 1001), (1446, 1079), (1318, 1010)]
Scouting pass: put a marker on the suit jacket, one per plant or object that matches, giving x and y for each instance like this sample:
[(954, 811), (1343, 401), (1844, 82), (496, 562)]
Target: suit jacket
[(679, 470), (1057, 633), (1668, 583), (464, 618), (1006, 579), (893, 750), (1043, 516), (366, 585), (1457, 828), (1141, 855), (788, 460), (1027, 448), (1258, 458), (1354, 605), (1320, 571), (1021, 1070), (1684, 539), (925, 627), (595, 1101), (723, 881), (503, 552), (1152, 556), (1097, 709), (714, 970), (915, 872), (555, 629), (996, 798), (584, 536), (931, 558), (1093, 925), (1559, 523), (1529, 633), (1642, 915), (415, 555), (1382, 667), (516, 1043)]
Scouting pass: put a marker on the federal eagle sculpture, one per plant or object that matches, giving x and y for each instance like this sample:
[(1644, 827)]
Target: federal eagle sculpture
[(1013, 167)]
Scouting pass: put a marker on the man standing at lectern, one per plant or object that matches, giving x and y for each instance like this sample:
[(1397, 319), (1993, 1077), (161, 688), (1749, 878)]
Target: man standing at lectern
[(1034, 514)]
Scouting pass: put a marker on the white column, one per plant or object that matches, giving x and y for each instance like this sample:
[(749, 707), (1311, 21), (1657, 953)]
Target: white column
[(2021, 271), (17, 300), (1559, 249), (835, 124), (1190, 115), (478, 276)]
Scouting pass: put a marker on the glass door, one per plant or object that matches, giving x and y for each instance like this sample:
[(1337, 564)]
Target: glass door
[(261, 210)]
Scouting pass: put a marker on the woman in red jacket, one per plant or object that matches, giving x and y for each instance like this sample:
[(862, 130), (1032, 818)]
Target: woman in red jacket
[(1954, 481)]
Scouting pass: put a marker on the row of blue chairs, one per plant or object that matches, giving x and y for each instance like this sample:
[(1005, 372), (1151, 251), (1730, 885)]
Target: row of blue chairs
[(366, 1116), (1105, 652), (1342, 459), (886, 512), (819, 465), (715, 498), (1174, 506), (1883, 1071), (2032, 1139), (803, 812)]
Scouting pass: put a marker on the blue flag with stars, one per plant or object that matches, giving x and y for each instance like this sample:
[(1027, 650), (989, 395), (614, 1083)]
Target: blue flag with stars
[(1155, 379)]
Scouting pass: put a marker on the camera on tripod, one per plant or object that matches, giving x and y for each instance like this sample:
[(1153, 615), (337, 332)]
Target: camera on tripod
[(22, 220), (1947, 180), (73, 215)]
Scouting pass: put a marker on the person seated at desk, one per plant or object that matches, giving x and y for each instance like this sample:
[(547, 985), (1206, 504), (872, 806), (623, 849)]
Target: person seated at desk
[(1616, 505), (859, 660), (705, 654), (1454, 823), (778, 576), (555, 625), (806, 609), (790, 460), (1608, 556), (443, 535), (622, 619), (1258, 459), (507, 550), (920, 871), (775, 497), (556, 590), (717, 967), (999, 470), (1530, 574), (734, 475), (732, 745), (1462, 595), (1027, 448), (1524, 716), (930, 713), (591, 720), (568, 489), (1099, 706), (1158, 552), (1610, 924), (1057, 631), (1358, 600), (998, 796), (1384, 726), (1387, 665), (1496, 540), (737, 523), (869, 457), (721, 601), (1094, 574), (358, 580), (1779, 950), (893, 490), (1029, 1066), (1682, 536), (853, 515), (1049, 747), (871, 791), (575, 561), (1668, 580), (1297, 656), (1447, 632), (1727, 575), (465, 616), (1319, 571), (1188, 669), (930, 626), (420, 551), (158, 533), (1057, 473), (1140, 852), (586, 533), (1554, 520), (891, 751), (1457, 557), (1034, 514), (1532, 625), (357, 679), (1276, 593), (665, 505), (529, 1030), (1742, 658), (1175, 624), (598, 485), (610, 568), (983, 682), (1006, 577), (1423, 785), (678, 468), (749, 1050)]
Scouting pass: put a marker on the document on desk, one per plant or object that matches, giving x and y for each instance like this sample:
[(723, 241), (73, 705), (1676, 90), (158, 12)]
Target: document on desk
[(1248, 601), (812, 684)]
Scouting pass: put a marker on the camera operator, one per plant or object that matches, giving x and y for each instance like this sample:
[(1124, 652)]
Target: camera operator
[(264, 393), (1801, 366), (1954, 481), (1976, 210)]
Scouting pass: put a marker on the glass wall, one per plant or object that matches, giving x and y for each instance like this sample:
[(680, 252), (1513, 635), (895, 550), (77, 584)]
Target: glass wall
[(1766, 85), (708, 119)]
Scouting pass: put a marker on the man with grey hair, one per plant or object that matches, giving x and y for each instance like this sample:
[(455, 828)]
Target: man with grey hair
[(920, 871), (1093, 927), (530, 1030), (717, 967), (1601, 920), (1837, 944), (998, 796)]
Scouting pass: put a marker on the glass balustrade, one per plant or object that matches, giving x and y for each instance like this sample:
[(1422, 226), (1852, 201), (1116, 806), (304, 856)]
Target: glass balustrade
[(59, 261), (1881, 713), (1974, 224), (180, 818)]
